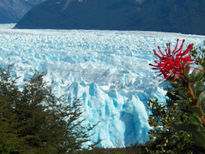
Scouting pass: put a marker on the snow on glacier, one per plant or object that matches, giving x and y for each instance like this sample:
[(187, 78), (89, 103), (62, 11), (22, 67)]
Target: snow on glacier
[(107, 70)]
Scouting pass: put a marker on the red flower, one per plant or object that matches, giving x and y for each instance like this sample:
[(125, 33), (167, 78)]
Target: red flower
[(172, 64)]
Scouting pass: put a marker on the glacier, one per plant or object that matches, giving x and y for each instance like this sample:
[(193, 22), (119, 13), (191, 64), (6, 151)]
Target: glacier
[(107, 70)]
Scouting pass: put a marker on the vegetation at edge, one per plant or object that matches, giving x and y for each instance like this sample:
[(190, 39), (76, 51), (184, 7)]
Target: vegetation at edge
[(34, 121)]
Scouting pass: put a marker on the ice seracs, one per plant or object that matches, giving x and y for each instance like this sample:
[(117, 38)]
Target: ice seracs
[(107, 70)]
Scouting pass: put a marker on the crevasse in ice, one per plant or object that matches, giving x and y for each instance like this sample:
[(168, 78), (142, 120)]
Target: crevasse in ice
[(107, 70)]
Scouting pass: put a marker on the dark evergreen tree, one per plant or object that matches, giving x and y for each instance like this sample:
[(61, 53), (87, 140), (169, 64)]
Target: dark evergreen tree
[(34, 120)]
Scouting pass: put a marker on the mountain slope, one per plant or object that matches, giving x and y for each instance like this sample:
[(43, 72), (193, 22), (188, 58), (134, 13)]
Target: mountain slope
[(12, 10), (90, 14), (185, 16)]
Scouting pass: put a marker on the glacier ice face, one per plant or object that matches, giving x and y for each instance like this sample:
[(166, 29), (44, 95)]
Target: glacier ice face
[(107, 70)]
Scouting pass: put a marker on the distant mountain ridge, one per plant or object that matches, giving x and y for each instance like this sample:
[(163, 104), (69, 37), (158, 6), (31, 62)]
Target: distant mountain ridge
[(184, 16), (11, 11)]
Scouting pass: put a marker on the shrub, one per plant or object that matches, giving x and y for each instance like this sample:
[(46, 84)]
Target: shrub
[(178, 125)]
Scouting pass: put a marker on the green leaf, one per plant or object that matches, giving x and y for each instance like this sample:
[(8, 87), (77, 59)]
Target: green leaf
[(196, 75), (201, 98), (197, 111), (198, 88), (180, 126), (197, 131), (199, 137)]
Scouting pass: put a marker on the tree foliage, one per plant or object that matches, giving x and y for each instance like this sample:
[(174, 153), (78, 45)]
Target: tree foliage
[(178, 125), (34, 120)]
